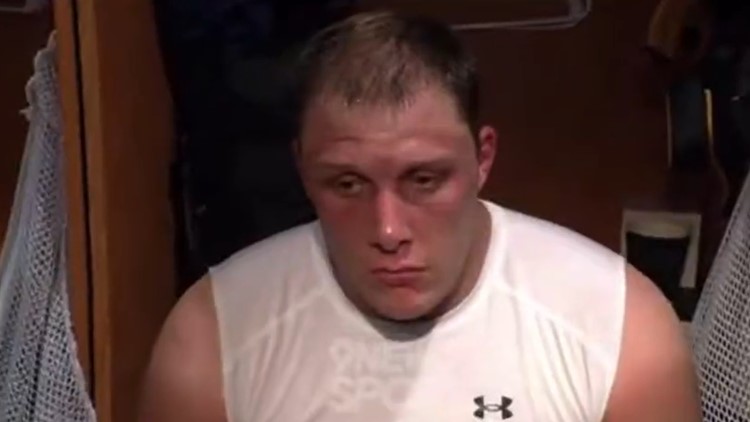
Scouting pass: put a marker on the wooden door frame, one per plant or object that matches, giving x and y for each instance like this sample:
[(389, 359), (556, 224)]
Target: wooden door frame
[(119, 136), (79, 277)]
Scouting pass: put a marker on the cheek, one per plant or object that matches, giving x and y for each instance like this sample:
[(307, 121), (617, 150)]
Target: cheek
[(331, 208), (439, 226), (343, 221), (453, 199), (445, 221)]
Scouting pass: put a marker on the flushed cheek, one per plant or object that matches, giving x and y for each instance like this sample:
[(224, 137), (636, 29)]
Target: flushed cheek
[(440, 216), (344, 221), (346, 230), (444, 230), (347, 238)]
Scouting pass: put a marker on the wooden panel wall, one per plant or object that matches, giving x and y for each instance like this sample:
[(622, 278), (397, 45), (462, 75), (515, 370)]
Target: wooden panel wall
[(21, 36), (128, 152), (582, 126)]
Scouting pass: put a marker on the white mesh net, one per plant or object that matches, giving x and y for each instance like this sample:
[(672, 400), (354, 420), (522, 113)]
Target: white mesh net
[(40, 377), (721, 325)]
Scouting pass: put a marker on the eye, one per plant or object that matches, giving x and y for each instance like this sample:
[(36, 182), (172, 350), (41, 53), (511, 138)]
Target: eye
[(348, 185), (425, 181)]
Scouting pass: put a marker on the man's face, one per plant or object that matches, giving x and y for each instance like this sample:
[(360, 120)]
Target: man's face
[(395, 190)]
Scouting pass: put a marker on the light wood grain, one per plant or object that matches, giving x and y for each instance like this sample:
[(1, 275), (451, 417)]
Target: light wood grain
[(129, 135), (77, 236)]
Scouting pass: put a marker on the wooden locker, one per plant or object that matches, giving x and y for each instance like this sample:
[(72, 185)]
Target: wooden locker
[(119, 135)]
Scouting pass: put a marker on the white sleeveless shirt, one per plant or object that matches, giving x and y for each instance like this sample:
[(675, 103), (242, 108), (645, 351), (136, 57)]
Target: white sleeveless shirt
[(537, 339)]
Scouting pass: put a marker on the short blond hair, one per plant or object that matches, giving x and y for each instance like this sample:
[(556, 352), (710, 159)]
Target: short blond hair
[(383, 58)]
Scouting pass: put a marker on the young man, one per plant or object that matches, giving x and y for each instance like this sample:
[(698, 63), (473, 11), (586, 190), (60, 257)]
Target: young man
[(411, 299)]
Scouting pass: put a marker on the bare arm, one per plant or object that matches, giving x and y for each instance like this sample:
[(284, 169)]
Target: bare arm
[(183, 382), (656, 379)]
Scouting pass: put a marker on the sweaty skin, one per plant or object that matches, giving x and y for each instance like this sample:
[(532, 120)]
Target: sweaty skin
[(396, 191)]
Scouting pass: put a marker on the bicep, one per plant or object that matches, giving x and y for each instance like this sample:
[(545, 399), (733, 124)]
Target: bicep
[(656, 379), (183, 380)]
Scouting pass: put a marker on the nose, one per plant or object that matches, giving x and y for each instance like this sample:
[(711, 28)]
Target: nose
[(392, 229)]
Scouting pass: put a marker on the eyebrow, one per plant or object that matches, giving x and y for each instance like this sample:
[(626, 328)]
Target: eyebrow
[(418, 164), (439, 162), (335, 166)]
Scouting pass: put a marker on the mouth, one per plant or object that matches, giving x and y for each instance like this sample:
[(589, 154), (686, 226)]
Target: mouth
[(399, 276)]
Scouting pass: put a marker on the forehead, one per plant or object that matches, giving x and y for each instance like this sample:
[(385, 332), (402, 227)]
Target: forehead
[(429, 119)]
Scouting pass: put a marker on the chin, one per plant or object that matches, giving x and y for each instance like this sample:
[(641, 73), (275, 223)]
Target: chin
[(403, 310), (402, 315)]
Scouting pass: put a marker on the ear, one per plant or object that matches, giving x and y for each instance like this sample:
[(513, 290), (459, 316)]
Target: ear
[(486, 148)]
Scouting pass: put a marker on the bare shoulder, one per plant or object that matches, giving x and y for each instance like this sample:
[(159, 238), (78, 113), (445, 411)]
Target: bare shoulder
[(184, 381), (655, 379)]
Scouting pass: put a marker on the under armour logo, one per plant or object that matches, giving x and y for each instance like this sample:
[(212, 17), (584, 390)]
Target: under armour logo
[(483, 407)]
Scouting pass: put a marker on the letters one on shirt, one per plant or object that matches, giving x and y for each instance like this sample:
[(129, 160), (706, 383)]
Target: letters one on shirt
[(383, 378)]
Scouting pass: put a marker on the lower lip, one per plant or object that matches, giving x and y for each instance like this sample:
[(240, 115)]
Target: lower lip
[(398, 279)]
